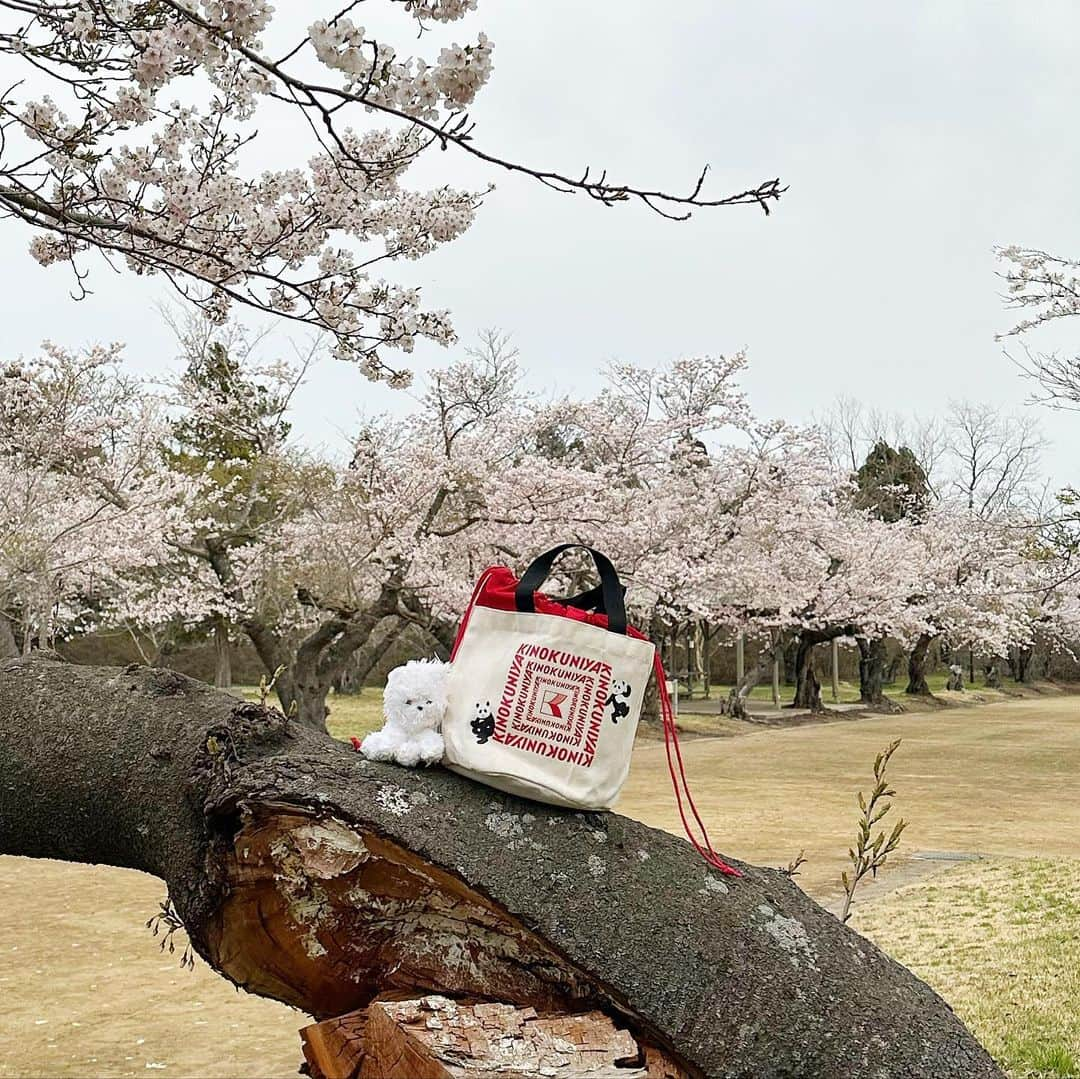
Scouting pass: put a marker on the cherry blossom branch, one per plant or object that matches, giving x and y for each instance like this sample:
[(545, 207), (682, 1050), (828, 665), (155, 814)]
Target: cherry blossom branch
[(174, 201)]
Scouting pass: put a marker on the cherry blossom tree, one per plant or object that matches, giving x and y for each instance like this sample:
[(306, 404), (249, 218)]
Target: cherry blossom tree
[(977, 586), (98, 155), (323, 564), (81, 500), (712, 515)]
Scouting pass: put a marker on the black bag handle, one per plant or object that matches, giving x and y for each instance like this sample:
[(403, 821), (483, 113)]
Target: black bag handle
[(592, 600), (611, 589)]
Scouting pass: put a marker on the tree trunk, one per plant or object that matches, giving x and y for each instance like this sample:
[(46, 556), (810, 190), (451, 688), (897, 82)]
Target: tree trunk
[(1013, 659), (735, 705), (917, 685), (366, 659), (872, 656), (305, 873), (807, 686), (9, 647), (1024, 654), (790, 654), (891, 668), (834, 668), (650, 702), (693, 658), (222, 655), (707, 636)]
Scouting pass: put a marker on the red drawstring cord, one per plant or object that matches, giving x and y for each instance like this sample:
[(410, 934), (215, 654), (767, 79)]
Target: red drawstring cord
[(671, 738)]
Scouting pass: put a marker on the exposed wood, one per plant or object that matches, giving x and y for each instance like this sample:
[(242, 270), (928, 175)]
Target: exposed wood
[(435, 1037), (336, 1048), (303, 872)]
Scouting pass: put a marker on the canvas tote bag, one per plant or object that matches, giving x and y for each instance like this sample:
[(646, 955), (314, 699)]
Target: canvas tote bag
[(544, 695)]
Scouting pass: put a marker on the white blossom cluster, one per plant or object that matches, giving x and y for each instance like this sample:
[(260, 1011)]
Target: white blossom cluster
[(113, 150), (1038, 281), (410, 86)]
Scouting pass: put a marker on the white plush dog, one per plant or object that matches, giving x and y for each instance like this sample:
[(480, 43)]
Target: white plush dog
[(414, 703)]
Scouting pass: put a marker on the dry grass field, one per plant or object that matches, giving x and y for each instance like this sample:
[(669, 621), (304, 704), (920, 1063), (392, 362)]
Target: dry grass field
[(86, 992)]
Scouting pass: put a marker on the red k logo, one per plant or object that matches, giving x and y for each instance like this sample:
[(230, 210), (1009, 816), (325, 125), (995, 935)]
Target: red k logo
[(552, 703)]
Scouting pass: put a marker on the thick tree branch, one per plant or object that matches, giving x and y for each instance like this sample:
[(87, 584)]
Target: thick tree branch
[(303, 872)]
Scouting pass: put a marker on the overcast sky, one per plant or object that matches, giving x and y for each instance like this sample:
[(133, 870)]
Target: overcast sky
[(914, 138)]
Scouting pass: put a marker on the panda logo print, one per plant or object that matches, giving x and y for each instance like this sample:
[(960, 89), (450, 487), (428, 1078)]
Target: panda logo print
[(552, 704), (483, 724), (619, 700)]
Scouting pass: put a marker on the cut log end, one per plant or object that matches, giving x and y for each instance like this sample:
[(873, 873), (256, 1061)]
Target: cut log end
[(435, 1037)]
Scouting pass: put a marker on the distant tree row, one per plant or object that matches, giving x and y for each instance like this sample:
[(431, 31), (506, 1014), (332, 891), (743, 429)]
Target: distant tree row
[(194, 510)]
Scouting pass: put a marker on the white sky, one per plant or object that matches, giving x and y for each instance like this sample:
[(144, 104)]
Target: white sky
[(914, 137)]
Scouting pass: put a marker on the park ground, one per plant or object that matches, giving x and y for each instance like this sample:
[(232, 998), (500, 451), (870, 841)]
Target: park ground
[(982, 901)]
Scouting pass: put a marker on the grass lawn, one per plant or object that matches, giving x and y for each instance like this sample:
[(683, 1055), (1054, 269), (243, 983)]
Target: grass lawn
[(1001, 942), (998, 780), (849, 691), (999, 939)]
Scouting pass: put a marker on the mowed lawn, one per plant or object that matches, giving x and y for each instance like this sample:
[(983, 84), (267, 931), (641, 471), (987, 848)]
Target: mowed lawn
[(86, 992), (1001, 941), (1001, 780)]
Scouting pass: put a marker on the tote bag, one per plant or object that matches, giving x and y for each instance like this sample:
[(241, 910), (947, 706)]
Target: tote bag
[(544, 695)]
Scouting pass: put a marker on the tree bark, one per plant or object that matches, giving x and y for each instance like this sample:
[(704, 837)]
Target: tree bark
[(222, 655), (735, 705), (364, 660), (917, 685), (9, 647), (303, 676), (708, 639), (807, 686), (834, 668), (872, 656), (789, 654), (1024, 655), (305, 873)]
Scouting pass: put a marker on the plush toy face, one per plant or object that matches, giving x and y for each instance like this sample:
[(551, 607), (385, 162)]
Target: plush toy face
[(415, 695)]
